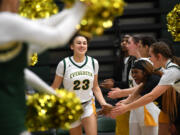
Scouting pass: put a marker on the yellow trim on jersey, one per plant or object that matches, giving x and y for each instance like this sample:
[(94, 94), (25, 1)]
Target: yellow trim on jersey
[(122, 124), (93, 106), (148, 119), (7, 45), (5, 56)]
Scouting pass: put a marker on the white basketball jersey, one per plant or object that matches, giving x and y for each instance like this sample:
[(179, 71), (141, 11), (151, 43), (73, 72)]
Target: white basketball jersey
[(176, 83), (79, 78)]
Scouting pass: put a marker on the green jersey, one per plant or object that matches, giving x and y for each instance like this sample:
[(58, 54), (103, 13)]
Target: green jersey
[(12, 93)]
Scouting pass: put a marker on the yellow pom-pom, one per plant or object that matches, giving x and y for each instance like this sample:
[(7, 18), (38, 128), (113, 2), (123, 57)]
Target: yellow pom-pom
[(49, 111), (35, 9), (173, 19), (33, 59), (99, 16)]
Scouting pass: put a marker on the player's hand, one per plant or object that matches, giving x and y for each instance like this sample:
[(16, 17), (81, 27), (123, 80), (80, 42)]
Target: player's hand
[(105, 109), (87, 3), (58, 95), (118, 110), (115, 93), (107, 84), (124, 101)]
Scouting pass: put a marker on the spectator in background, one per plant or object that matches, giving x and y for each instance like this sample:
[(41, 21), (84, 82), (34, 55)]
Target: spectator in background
[(124, 63), (121, 81)]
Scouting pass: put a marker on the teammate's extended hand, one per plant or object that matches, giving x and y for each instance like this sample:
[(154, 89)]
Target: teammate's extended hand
[(58, 95), (107, 84), (118, 110), (115, 93), (105, 109)]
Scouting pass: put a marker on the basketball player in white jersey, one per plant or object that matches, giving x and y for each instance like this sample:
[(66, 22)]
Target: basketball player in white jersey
[(79, 73), (138, 124), (161, 56)]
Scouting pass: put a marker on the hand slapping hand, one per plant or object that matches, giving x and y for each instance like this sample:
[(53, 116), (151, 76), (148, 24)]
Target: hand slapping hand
[(119, 109)]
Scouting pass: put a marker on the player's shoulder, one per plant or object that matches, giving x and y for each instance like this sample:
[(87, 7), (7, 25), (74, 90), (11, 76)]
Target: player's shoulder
[(173, 69), (92, 58), (66, 59), (63, 61), (173, 66)]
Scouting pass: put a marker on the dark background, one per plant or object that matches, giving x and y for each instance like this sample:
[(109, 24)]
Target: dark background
[(140, 16)]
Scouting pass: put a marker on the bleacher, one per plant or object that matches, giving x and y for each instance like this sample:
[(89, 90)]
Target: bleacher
[(140, 16)]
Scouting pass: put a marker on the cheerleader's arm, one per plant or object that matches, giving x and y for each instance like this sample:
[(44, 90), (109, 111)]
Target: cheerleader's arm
[(16, 28), (37, 83), (54, 19)]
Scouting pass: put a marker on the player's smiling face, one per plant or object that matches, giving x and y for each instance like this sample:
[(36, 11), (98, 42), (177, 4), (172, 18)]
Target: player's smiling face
[(79, 45), (137, 75)]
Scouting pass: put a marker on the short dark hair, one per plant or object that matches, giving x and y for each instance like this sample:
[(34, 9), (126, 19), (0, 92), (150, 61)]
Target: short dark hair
[(145, 39), (137, 38), (148, 40)]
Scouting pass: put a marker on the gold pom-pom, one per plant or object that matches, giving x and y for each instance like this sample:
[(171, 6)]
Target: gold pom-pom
[(33, 59), (100, 14), (36, 9), (173, 19), (49, 111)]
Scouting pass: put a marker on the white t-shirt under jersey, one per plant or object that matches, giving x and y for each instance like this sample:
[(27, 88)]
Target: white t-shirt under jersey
[(78, 77)]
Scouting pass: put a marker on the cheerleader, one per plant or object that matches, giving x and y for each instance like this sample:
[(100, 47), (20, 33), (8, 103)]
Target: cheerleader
[(20, 37)]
